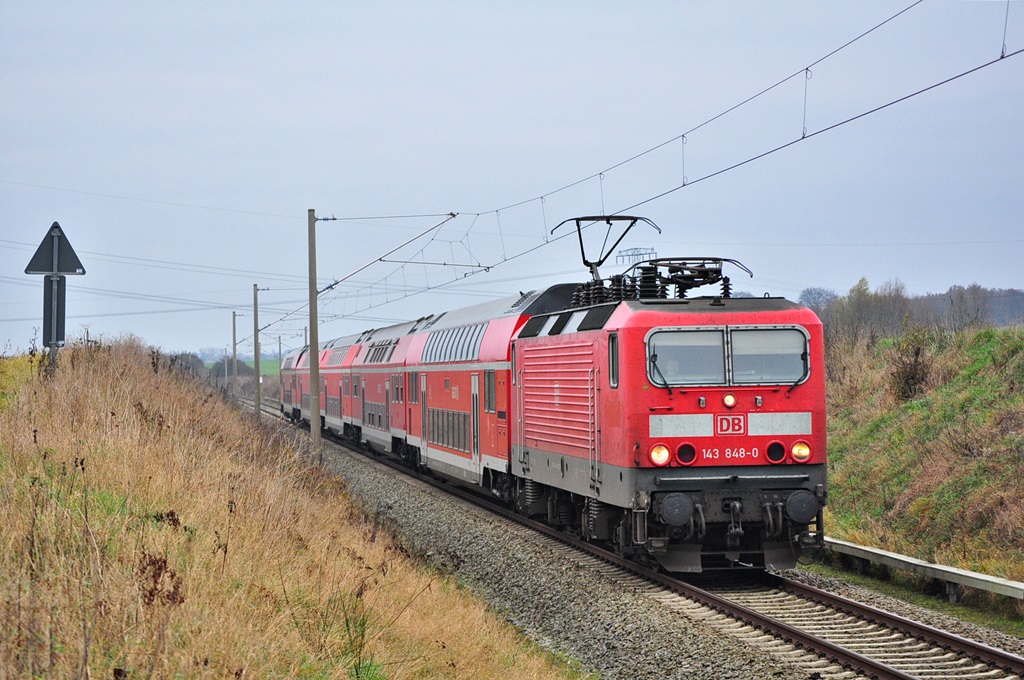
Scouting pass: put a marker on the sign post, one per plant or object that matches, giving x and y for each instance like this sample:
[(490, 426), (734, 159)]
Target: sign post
[(53, 259)]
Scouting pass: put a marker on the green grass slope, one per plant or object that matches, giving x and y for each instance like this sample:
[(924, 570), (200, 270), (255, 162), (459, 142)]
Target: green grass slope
[(926, 437)]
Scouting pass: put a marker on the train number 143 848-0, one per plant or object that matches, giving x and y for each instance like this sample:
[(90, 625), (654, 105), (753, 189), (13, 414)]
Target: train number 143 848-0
[(732, 454)]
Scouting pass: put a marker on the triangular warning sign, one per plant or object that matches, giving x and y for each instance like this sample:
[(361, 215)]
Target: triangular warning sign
[(55, 244)]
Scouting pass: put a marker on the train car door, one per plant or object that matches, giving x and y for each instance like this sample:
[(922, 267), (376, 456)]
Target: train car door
[(423, 419), (409, 387), (474, 421), (362, 391), (387, 405), (304, 390)]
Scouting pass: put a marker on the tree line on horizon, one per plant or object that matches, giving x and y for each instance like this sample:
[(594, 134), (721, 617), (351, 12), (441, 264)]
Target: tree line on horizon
[(889, 310)]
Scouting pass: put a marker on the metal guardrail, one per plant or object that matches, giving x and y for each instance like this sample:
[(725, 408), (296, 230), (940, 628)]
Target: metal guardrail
[(951, 576)]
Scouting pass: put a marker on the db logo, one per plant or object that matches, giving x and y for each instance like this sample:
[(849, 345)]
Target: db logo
[(729, 424)]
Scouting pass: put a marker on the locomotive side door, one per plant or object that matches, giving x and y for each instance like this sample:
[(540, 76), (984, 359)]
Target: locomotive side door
[(520, 426), (595, 430)]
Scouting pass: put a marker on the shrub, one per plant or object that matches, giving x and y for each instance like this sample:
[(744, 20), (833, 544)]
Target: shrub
[(910, 362)]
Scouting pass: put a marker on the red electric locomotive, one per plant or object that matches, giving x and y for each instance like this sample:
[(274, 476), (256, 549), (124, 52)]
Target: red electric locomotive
[(689, 430), (686, 430)]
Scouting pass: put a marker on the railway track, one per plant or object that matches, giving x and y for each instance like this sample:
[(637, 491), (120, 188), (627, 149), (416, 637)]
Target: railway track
[(854, 640), (827, 635), (906, 646)]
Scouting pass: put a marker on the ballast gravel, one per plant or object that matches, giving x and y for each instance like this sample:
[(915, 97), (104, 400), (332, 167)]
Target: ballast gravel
[(568, 609)]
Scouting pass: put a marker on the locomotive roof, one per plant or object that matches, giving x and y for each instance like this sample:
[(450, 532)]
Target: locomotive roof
[(596, 316), (713, 304)]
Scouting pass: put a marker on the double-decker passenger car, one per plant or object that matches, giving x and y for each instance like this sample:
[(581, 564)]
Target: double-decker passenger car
[(457, 376)]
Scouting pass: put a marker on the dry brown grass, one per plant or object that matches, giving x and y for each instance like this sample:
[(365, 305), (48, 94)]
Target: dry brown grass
[(851, 379), (150, 530)]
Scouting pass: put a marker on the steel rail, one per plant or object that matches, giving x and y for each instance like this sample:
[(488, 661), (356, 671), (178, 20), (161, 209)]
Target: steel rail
[(1010, 663)]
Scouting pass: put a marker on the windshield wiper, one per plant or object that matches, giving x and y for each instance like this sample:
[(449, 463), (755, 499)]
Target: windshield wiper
[(803, 357), (654, 363)]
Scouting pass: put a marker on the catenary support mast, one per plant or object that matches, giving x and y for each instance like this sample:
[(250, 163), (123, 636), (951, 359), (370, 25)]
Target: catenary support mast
[(314, 345)]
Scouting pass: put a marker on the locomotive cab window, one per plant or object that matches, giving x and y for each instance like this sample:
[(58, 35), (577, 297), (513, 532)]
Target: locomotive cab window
[(733, 356), (768, 355), (686, 357)]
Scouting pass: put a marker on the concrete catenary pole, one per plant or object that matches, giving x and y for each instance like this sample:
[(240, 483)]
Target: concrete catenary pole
[(314, 346), (256, 343)]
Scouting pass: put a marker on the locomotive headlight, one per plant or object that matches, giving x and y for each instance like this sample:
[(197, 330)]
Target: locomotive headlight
[(801, 452), (660, 454), (729, 400)]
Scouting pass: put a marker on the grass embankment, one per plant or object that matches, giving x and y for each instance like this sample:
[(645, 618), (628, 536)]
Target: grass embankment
[(926, 437), (150, 530), (268, 367)]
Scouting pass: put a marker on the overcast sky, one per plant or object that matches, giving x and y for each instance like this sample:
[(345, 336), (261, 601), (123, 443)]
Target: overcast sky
[(180, 145)]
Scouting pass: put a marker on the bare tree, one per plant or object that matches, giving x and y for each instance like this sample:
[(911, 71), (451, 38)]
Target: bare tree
[(967, 308), (818, 299)]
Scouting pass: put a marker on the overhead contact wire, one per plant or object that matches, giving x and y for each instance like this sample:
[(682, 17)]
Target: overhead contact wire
[(825, 129)]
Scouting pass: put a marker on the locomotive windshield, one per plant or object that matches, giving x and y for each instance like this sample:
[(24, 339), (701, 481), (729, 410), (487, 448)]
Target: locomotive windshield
[(735, 356), (687, 357), (777, 355)]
